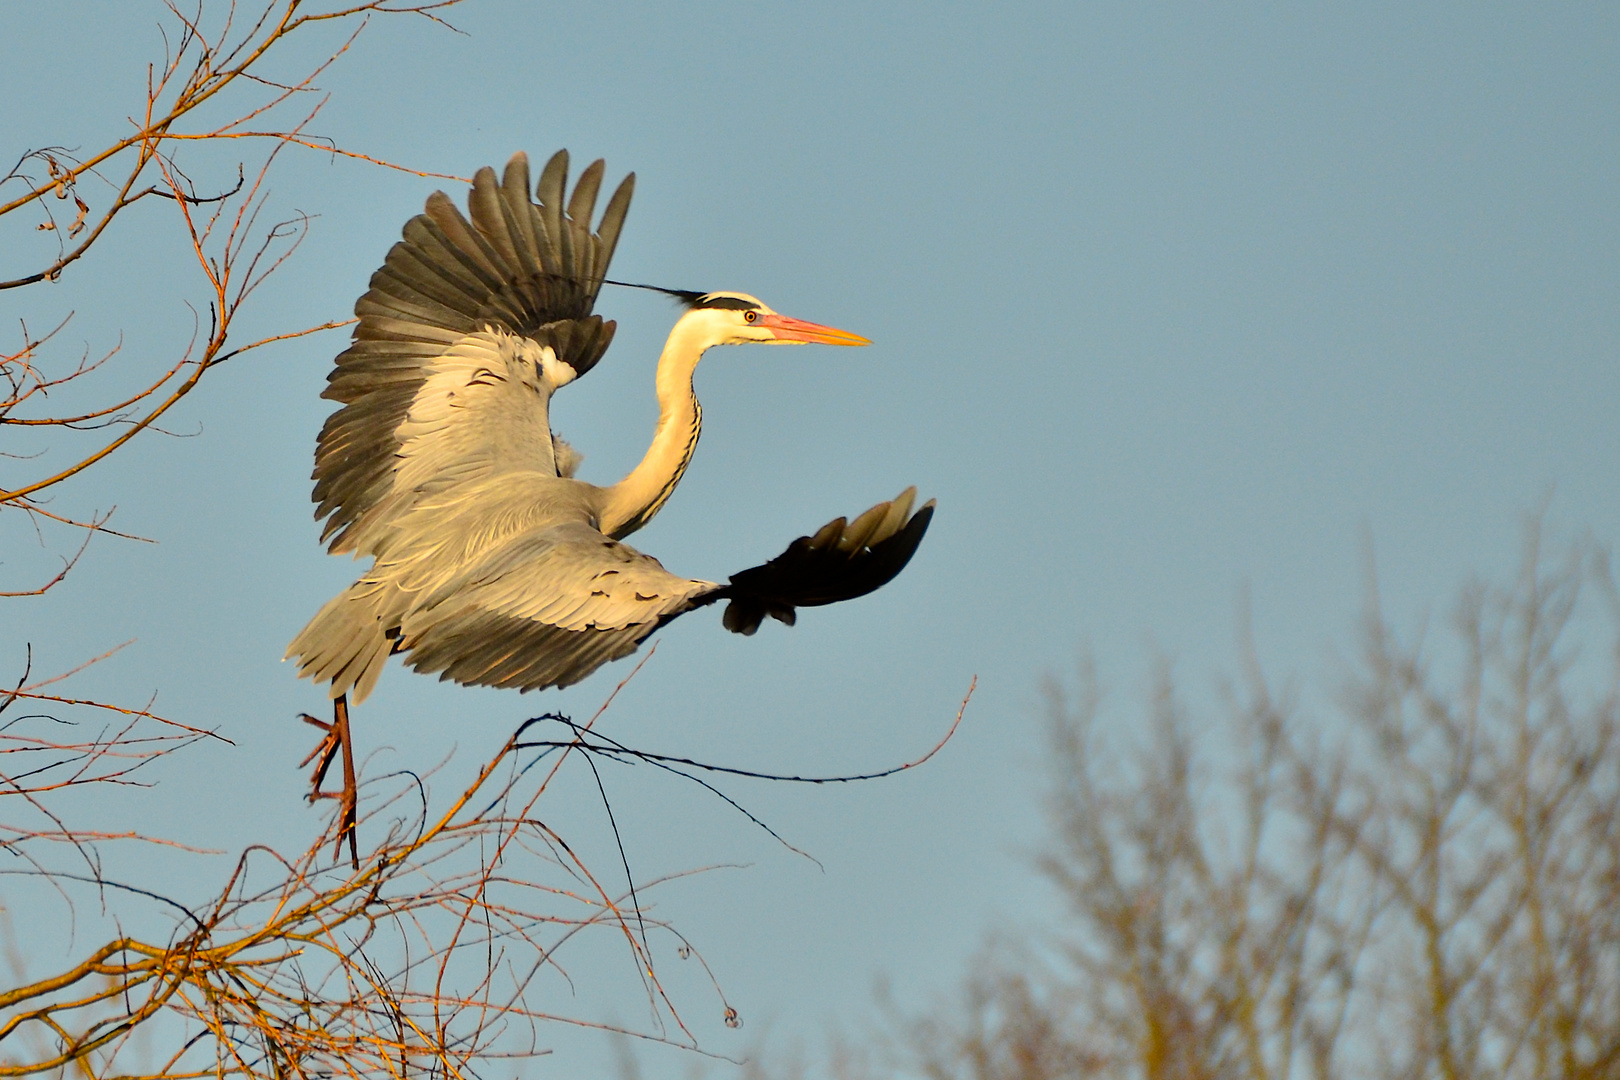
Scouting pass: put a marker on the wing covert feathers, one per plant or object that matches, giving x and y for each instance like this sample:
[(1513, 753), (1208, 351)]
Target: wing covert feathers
[(545, 608), (532, 270)]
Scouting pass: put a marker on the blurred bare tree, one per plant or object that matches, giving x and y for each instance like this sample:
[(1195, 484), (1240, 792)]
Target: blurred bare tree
[(1423, 884)]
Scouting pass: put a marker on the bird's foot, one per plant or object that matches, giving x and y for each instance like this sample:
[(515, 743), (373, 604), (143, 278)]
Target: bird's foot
[(336, 739), (326, 750)]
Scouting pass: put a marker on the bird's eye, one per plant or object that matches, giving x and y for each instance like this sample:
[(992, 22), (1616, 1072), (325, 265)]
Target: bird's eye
[(750, 316)]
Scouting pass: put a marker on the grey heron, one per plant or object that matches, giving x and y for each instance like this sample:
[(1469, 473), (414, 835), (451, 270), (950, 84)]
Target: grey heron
[(492, 563)]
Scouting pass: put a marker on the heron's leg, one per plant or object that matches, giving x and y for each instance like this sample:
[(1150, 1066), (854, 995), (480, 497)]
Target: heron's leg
[(337, 738), (351, 794)]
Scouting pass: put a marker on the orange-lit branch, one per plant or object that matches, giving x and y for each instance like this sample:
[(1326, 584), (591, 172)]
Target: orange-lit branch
[(213, 61), (432, 958)]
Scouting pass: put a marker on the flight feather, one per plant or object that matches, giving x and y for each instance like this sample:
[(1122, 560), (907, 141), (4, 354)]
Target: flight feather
[(510, 266)]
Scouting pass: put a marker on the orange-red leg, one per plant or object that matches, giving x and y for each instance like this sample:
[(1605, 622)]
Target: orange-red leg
[(337, 738)]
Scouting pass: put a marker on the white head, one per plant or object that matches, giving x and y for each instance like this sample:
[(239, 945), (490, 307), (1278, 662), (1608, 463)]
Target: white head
[(734, 318)]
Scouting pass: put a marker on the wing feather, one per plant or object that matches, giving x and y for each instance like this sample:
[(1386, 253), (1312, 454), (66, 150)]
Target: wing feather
[(545, 608), (550, 606), (511, 268), (484, 204), (839, 562), (582, 204), (409, 275), (549, 192), (411, 307), (518, 217), (457, 242), (612, 223), (581, 207)]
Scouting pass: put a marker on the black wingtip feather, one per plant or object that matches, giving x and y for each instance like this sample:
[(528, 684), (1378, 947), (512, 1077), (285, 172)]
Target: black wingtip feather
[(823, 569)]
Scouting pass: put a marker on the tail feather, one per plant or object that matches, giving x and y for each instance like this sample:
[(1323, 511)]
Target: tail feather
[(346, 643)]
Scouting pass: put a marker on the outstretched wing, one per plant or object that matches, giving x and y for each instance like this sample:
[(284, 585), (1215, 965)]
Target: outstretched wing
[(545, 608), (522, 271), (842, 561), (549, 607)]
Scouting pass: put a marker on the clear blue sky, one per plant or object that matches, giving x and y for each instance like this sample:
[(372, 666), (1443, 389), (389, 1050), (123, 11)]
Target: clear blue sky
[(1167, 303)]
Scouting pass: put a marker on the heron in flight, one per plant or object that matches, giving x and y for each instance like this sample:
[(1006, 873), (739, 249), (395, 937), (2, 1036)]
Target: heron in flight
[(493, 565)]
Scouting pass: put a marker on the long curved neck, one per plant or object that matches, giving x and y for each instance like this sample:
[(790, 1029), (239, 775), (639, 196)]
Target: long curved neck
[(632, 502)]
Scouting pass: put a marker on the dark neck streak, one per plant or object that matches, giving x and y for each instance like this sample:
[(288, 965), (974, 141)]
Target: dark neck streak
[(681, 463), (632, 502)]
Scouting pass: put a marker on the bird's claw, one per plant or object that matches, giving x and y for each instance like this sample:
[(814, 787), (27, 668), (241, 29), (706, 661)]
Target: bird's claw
[(327, 750), (314, 722), (346, 825)]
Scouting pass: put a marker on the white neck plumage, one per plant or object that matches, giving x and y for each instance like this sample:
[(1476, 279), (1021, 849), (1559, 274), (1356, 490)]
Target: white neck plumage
[(632, 502)]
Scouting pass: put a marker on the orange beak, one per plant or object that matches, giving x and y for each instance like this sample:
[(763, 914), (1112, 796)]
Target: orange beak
[(787, 329)]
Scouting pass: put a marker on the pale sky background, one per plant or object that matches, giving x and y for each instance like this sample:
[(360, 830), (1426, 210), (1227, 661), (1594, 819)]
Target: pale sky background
[(1167, 302)]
